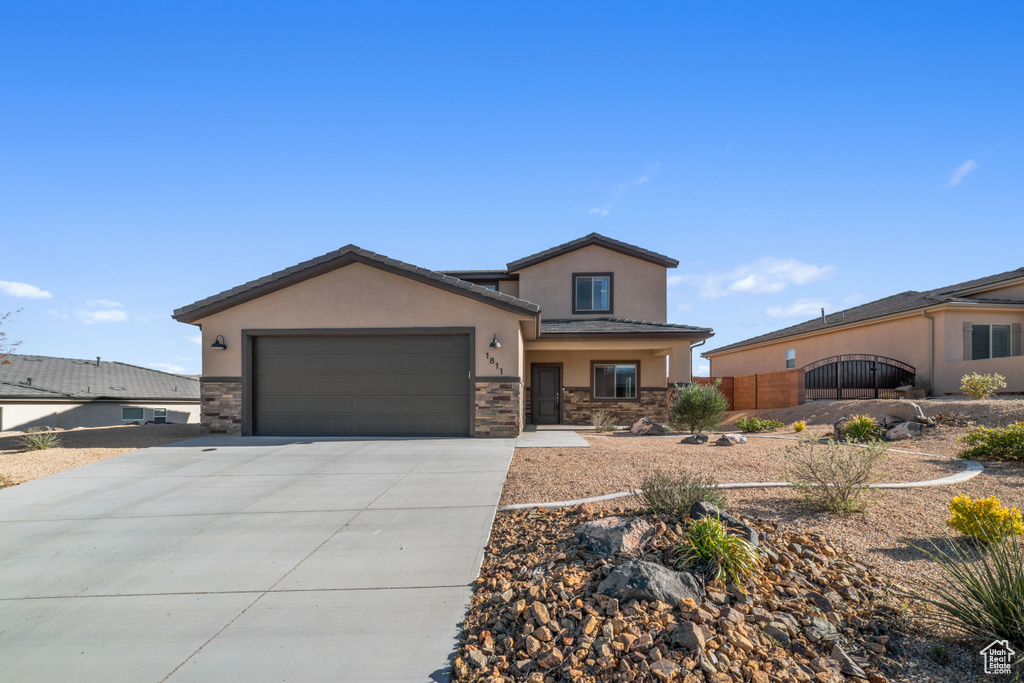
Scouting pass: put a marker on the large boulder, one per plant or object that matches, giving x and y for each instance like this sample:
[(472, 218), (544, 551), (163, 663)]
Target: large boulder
[(839, 428), (696, 439), (731, 440), (735, 526), (639, 580), (904, 430), (645, 426), (908, 411), (612, 535)]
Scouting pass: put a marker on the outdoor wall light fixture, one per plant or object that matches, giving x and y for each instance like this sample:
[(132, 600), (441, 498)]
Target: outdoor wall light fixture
[(218, 343), (495, 344)]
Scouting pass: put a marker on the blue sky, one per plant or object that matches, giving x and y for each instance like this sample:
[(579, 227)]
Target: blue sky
[(790, 155)]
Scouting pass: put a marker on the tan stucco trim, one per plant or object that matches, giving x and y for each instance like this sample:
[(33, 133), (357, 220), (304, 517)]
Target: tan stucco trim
[(912, 313)]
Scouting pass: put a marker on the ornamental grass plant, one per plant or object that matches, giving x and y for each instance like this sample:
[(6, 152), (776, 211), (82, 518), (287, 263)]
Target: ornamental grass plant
[(673, 493), (710, 548)]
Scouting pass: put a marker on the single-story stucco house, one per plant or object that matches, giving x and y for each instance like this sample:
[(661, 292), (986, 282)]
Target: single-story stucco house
[(930, 338), (356, 343), (41, 391)]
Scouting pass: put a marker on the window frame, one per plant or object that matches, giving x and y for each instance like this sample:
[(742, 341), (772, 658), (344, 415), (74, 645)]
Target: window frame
[(790, 361), (593, 383), (133, 419), (611, 294), (160, 419), (991, 339)]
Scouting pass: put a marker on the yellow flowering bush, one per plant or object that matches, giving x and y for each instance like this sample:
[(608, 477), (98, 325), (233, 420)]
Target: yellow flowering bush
[(799, 426), (984, 519), (982, 386)]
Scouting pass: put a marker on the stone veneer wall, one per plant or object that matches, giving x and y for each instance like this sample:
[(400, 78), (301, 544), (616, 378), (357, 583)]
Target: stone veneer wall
[(221, 406), (577, 407), (499, 409)]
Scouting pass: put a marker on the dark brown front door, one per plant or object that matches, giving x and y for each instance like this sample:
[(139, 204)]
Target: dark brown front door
[(547, 392)]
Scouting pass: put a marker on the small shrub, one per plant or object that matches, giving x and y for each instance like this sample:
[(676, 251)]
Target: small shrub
[(995, 444), (982, 386), (673, 493), (39, 441), (940, 654), (709, 543), (700, 406), (799, 426), (981, 597), (602, 420), (863, 428), (835, 477), (753, 424), (984, 519)]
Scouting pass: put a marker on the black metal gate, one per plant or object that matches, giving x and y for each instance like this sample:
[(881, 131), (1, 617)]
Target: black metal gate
[(856, 376)]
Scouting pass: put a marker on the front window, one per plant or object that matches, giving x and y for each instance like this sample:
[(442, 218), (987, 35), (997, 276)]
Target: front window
[(990, 341), (129, 414), (615, 381), (593, 293), (791, 358)]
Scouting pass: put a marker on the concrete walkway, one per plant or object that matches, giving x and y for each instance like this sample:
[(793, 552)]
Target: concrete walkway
[(551, 438), (260, 559)]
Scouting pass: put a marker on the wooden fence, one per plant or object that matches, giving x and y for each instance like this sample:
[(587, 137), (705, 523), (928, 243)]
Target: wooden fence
[(761, 391)]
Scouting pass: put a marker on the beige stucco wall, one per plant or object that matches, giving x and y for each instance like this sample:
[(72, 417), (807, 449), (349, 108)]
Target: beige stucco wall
[(950, 365), (638, 287), (904, 339), (510, 287), (1014, 292), (576, 365), (360, 296), (20, 416)]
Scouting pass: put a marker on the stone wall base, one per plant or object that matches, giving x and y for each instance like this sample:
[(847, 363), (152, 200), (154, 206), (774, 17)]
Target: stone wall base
[(221, 406), (577, 407), (499, 409)]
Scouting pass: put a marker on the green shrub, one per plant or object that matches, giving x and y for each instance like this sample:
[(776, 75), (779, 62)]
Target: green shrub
[(982, 386), (39, 441), (1006, 443), (981, 597), (602, 420), (709, 543), (673, 493), (753, 424), (700, 406), (863, 428), (835, 477)]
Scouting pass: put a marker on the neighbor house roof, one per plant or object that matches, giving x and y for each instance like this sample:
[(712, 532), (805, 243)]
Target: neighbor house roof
[(70, 378), (337, 259), (598, 240), (612, 326), (890, 305)]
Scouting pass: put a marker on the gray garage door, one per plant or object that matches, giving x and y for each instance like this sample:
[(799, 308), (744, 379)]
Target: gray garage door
[(361, 385)]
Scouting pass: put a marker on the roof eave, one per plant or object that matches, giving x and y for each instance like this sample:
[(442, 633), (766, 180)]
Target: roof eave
[(592, 240)]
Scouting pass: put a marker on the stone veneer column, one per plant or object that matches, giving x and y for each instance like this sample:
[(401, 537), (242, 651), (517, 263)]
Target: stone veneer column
[(577, 407), (499, 409), (221, 405)]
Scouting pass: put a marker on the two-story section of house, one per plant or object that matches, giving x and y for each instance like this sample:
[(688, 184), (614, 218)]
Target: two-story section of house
[(353, 343)]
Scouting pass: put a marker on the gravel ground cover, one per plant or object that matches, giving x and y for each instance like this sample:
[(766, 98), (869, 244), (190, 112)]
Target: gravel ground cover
[(81, 447)]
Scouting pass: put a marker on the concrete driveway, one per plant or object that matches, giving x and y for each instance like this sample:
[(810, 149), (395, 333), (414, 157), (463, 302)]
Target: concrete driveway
[(257, 559)]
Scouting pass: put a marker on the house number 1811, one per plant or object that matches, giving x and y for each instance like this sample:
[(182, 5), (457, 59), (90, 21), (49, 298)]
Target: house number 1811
[(497, 367)]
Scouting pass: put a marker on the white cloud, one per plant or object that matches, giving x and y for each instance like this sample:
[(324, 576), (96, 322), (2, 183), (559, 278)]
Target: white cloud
[(167, 367), (767, 274), (23, 290), (683, 308), (702, 370), (961, 172), (102, 311), (197, 338), (58, 314), (622, 188), (801, 308), (601, 211), (648, 173)]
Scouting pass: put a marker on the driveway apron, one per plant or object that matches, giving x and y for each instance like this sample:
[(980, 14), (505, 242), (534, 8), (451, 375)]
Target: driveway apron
[(248, 559)]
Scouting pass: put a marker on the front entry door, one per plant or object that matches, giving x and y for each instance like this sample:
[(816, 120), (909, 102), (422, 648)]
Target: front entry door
[(547, 392)]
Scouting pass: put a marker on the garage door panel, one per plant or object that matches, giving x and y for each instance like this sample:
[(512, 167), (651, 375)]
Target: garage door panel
[(363, 385)]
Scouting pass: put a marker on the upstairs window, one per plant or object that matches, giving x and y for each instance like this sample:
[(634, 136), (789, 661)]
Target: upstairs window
[(791, 358), (991, 341), (592, 293)]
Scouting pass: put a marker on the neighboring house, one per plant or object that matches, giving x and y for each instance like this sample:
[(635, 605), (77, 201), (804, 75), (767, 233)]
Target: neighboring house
[(355, 343), (38, 391), (935, 337)]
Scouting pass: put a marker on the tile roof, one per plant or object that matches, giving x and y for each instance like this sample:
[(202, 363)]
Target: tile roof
[(336, 259), (897, 303), (64, 378), (594, 239), (618, 326)]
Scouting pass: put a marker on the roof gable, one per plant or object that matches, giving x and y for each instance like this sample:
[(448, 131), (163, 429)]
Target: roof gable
[(345, 256), (596, 240)]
